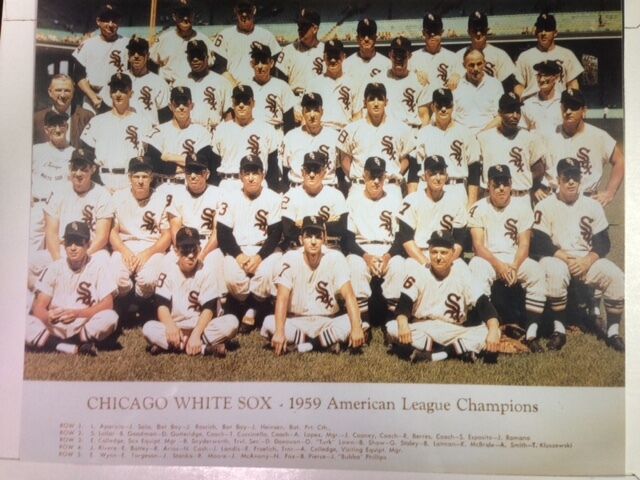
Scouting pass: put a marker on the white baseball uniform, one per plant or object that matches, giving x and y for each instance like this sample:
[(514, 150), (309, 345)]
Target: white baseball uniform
[(298, 142), (542, 115), (196, 211), (475, 106), (363, 70), (170, 52), (300, 66), (49, 170), (405, 96), (211, 96), (571, 66), (329, 204), (150, 94), (273, 99), (497, 62), (341, 99), (438, 67)]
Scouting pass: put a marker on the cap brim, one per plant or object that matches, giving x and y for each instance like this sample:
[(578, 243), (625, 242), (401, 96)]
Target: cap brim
[(76, 236)]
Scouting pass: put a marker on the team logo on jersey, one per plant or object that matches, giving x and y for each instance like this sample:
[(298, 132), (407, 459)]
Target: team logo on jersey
[(261, 220), (323, 294), (409, 98), (386, 221), (387, 146), (584, 160), (490, 69), (272, 104), (447, 222), (132, 135), (325, 213), (454, 309), (344, 96), (324, 149), (515, 155), (210, 97), (586, 230), (511, 230), (84, 294), (87, 216), (443, 72), (254, 144), (189, 147), (374, 72), (317, 65), (149, 222), (116, 60), (456, 151), (145, 97), (194, 304), (561, 63), (207, 217)]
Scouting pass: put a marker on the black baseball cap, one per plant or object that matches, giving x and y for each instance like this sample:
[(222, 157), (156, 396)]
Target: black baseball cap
[(400, 47), (138, 45), (435, 163), (548, 67), (499, 172), (509, 102), (432, 23), (251, 162), (375, 165), (333, 48), (546, 22), (242, 93), (245, 6), (568, 166), (187, 237), (78, 230), (478, 22), (140, 164), (81, 157), (367, 27), (53, 118), (316, 158), (572, 98), (108, 12), (375, 90), (182, 9), (308, 17), (260, 51), (120, 81), (197, 49), (312, 101), (442, 97), (441, 238), (180, 95), (313, 223), (194, 163)]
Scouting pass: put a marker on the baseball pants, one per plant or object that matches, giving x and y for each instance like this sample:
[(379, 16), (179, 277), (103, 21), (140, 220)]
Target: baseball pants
[(361, 279), (328, 330), (240, 285), (145, 278), (96, 328), (427, 332)]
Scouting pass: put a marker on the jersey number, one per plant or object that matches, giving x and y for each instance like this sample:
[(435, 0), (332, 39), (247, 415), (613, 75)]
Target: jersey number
[(537, 217), (404, 208), (408, 283), (284, 268)]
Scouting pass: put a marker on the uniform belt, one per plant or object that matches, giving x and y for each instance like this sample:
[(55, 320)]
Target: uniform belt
[(166, 179), (226, 176), (117, 171), (295, 183), (375, 242), (519, 193), (456, 180), (590, 193), (37, 200), (393, 181)]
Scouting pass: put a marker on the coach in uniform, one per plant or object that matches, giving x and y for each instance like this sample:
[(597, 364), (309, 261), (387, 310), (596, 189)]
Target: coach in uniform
[(542, 111)]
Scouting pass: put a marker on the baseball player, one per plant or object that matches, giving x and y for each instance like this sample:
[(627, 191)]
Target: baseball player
[(311, 136), (406, 94), (140, 234), (570, 236), (150, 93), (275, 102), (61, 90), (116, 136), (590, 145), (170, 51), (476, 96), (98, 58), (497, 62), (546, 49), (542, 111), (433, 308), (455, 143), (377, 135), (367, 62), (232, 45), (524, 150), (187, 295), (74, 300), (371, 230), (301, 60), (307, 315), (425, 211), (314, 198), (341, 99), (249, 229), (244, 135), (501, 233), (211, 92)]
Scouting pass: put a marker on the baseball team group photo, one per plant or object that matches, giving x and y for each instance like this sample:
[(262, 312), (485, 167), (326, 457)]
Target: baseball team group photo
[(430, 192)]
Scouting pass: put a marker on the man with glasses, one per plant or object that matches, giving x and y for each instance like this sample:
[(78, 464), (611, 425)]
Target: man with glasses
[(571, 239), (366, 63), (501, 235), (73, 307), (187, 296), (249, 229), (307, 314), (542, 111)]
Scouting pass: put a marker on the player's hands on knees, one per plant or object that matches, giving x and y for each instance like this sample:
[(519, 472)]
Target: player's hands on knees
[(143, 257), (242, 260), (384, 265), (372, 263), (53, 315), (493, 339), (279, 343), (404, 334), (173, 337), (68, 315), (194, 344), (579, 267), (540, 194), (356, 337), (252, 264), (505, 273)]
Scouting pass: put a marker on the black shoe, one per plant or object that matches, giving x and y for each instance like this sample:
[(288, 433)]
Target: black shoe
[(88, 348), (534, 345), (219, 350), (419, 356), (469, 357), (489, 358), (154, 350), (335, 348), (616, 342), (556, 341)]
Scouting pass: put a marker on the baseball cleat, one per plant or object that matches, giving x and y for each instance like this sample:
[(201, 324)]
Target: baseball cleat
[(154, 350), (556, 341), (335, 348), (534, 345), (88, 348), (616, 342), (419, 356), (219, 350), (469, 357)]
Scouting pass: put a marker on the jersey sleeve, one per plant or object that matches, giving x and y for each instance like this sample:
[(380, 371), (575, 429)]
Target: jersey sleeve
[(600, 222), (541, 218), (275, 212), (106, 280), (407, 143), (472, 289), (47, 281), (475, 218), (572, 65), (526, 219), (287, 208), (164, 286), (506, 65), (288, 98), (345, 140), (408, 212), (285, 274), (105, 207), (472, 149), (460, 219), (283, 61), (80, 53), (537, 148), (608, 145), (210, 290), (339, 202), (341, 272), (163, 95), (89, 133), (413, 279), (225, 214), (284, 153), (155, 139)]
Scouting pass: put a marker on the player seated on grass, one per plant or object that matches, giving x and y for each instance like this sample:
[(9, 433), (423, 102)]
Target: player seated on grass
[(73, 307), (249, 229), (307, 314), (433, 307), (187, 296), (571, 238), (501, 235)]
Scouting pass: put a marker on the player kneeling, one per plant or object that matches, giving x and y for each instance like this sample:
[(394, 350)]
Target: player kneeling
[(187, 296), (74, 301), (307, 315), (433, 308)]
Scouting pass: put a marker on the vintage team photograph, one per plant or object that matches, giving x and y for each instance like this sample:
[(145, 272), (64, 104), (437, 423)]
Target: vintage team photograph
[(328, 191)]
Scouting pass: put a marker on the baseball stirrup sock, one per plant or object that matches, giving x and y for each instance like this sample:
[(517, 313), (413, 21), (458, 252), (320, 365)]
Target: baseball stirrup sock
[(558, 326), (532, 331)]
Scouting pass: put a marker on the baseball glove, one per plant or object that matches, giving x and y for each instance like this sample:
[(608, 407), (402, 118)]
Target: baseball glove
[(511, 345)]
